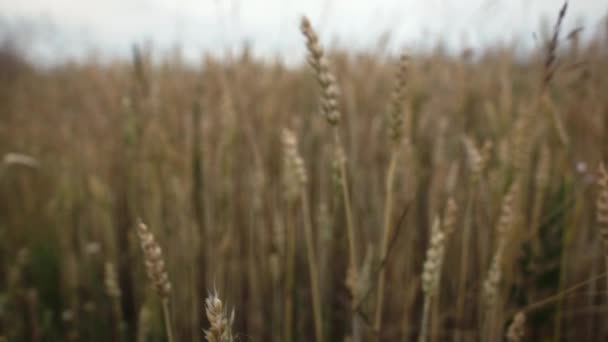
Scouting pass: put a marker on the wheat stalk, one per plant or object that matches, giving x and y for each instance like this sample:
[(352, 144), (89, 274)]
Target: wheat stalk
[(155, 267), (493, 279), (113, 291), (478, 159), (330, 110), (297, 172), (431, 274), (396, 128)]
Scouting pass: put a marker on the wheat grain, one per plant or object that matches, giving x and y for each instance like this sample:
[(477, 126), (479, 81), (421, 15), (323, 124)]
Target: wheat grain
[(327, 81), (155, 267), (220, 329), (431, 273), (155, 264), (110, 281), (397, 103)]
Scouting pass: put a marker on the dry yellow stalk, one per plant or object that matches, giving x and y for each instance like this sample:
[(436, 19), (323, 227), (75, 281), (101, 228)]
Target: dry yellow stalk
[(522, 142), (542, 177), (396, 128), (358, 282), (491, 285), (297, 173), (113, 291), (543, 171), (143, 324)]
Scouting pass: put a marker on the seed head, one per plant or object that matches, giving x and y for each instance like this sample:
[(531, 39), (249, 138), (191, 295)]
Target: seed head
[(155, 265), (220, 329), (602, 204), (327, 81), (434, 260)]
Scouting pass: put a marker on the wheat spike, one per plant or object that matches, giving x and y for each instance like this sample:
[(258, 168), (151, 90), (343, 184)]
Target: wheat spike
[(516, 330), (492, 282), (477, 157), (111, 281), (398, 100), (434, 260), (602, 205), (504, 227), (295, 173), (220, 329), (507, 215), (449, 217), (155, 265), (431, 274), (327, 81), (602, 208)]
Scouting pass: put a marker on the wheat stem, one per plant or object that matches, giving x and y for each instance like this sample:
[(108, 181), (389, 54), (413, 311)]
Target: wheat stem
[(167, 317), (386, 233), (313, 267), (462, 280)]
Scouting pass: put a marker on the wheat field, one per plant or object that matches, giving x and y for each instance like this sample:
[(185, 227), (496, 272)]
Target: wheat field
[(355, 197)]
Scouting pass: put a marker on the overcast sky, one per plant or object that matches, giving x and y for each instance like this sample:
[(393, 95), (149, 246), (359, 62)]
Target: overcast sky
[(73, 27)]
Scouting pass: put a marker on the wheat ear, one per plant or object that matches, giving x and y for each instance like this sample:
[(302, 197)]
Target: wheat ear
[(602, 207), (220, 329), (327, 81), (516, 330), (431, 274), (155, 267)]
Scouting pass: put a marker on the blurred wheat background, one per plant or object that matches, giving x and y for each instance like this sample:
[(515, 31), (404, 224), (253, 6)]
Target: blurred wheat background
[(357, 197)]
